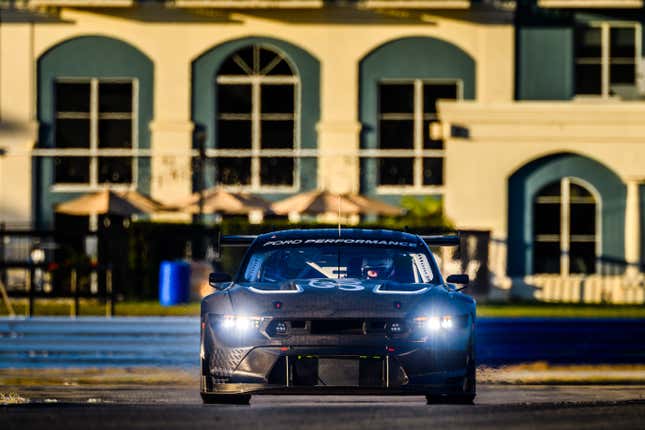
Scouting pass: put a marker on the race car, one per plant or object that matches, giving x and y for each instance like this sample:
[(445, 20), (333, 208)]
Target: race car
[(329, 311)]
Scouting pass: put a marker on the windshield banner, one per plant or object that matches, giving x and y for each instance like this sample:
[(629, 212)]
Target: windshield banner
[(340, 241)]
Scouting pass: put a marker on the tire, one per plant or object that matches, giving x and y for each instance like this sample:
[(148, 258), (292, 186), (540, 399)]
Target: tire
[(469, 386), (470, 381), (226, 399)]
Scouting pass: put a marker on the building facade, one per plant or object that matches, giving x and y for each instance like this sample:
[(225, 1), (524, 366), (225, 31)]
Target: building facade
[(525, 118)]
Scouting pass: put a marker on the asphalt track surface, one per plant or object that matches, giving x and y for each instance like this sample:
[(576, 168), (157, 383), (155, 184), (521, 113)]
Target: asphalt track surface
[(166, 407)]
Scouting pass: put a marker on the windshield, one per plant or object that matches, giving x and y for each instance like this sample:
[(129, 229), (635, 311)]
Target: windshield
[(338, 262)]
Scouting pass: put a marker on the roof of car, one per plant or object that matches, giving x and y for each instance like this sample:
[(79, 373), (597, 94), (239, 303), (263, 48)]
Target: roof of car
[(329, 233)]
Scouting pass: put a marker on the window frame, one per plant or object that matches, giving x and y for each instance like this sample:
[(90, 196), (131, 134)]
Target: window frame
[(256, 153), (605, 59), (565, 226), (418, 153), (94, 152)]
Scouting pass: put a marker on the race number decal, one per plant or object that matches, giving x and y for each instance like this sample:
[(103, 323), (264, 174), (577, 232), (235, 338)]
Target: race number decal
[(341, 284)]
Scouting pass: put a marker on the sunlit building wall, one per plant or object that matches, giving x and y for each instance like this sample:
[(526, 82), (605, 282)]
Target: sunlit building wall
[(523, 117)]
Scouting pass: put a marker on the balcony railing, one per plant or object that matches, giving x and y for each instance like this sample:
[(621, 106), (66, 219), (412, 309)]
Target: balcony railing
[(82, 3), (271, 4), (248, 4), (414, 4), (591, 4)]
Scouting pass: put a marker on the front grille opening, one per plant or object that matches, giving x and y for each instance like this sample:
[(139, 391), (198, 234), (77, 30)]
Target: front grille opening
[(298, 323), (337, 326), (391, 327), (376, 326), (278, 374), (361, 371)]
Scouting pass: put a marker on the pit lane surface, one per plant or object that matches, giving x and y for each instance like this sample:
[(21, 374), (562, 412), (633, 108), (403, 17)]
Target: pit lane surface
[(544, 407)]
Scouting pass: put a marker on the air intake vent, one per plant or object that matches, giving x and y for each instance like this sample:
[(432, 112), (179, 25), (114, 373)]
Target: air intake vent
[(337, 326)]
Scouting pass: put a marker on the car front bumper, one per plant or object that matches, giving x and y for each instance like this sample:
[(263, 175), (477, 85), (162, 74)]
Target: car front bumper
[(401, 369)]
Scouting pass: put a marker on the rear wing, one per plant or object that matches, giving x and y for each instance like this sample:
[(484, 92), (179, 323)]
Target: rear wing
[(442, 240), (433, 240), (237, 240)]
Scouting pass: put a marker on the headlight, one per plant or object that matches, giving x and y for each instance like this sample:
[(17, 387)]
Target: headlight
[(434, 323), (236, 323)]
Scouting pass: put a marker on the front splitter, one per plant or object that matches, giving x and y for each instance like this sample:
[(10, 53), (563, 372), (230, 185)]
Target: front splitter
[(317, 390)]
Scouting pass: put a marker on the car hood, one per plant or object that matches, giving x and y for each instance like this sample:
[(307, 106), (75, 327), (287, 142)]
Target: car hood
[(335, 298)]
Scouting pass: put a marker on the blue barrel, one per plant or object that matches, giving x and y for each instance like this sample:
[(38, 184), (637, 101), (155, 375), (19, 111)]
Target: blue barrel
[(174, 282)]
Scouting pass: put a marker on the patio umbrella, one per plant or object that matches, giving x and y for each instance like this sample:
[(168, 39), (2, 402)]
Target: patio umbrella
[(316, 203), (322, 202), (217, 200), (107, 202), (370, 206)]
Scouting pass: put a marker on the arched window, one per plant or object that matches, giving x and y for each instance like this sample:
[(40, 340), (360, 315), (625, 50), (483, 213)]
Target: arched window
[(257, 120), (400, 82), (565, 228)]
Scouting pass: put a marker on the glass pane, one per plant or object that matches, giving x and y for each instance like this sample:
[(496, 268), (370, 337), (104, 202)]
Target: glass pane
[(396, 98), (434, 92), (396, 171), (115, 170), (115, 133), (428, 141), (276, 171), (72, 97), (234, 134), (622, 42), (582, 257), (588, 79), (115, 97), (396, 134), (433, 171), (546, 218), (281, 69), (231, 67), (277, 98), (234, 98), (272, 64), (576, 191), (233, 171), (622, 73), (554, 189), (246, 55), (267, 57), (583, 219), (72, 133), (276, 134), (72, 170), (546, 257), (588, 42)]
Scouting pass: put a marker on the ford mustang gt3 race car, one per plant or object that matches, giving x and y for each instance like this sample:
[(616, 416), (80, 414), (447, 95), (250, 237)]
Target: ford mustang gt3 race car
[(338, 312)]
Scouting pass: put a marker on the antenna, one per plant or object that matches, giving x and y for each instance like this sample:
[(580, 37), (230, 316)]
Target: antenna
[(338, 246), (339, 215)]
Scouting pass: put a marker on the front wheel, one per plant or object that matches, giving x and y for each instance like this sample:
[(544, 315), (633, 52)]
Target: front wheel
[(226, 399), (469, 387)]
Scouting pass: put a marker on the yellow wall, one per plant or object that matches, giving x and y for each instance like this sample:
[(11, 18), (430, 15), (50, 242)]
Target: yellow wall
[(338, 43), (506, 136)]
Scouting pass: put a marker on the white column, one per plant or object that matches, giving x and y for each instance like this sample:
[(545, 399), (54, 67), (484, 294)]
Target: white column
[(632, 227)]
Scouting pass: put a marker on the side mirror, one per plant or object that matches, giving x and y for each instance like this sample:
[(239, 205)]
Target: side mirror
[(214, 279), (458, 279)]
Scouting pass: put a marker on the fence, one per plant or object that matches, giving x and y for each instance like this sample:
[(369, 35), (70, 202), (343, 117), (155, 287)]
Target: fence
[(118, 260), (174, 342)]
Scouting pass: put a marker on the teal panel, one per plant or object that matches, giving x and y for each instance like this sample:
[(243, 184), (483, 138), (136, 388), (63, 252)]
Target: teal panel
[(641, 195), (87, 57), (545, 63), (408, 58), (528, 180), (204, 96)]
